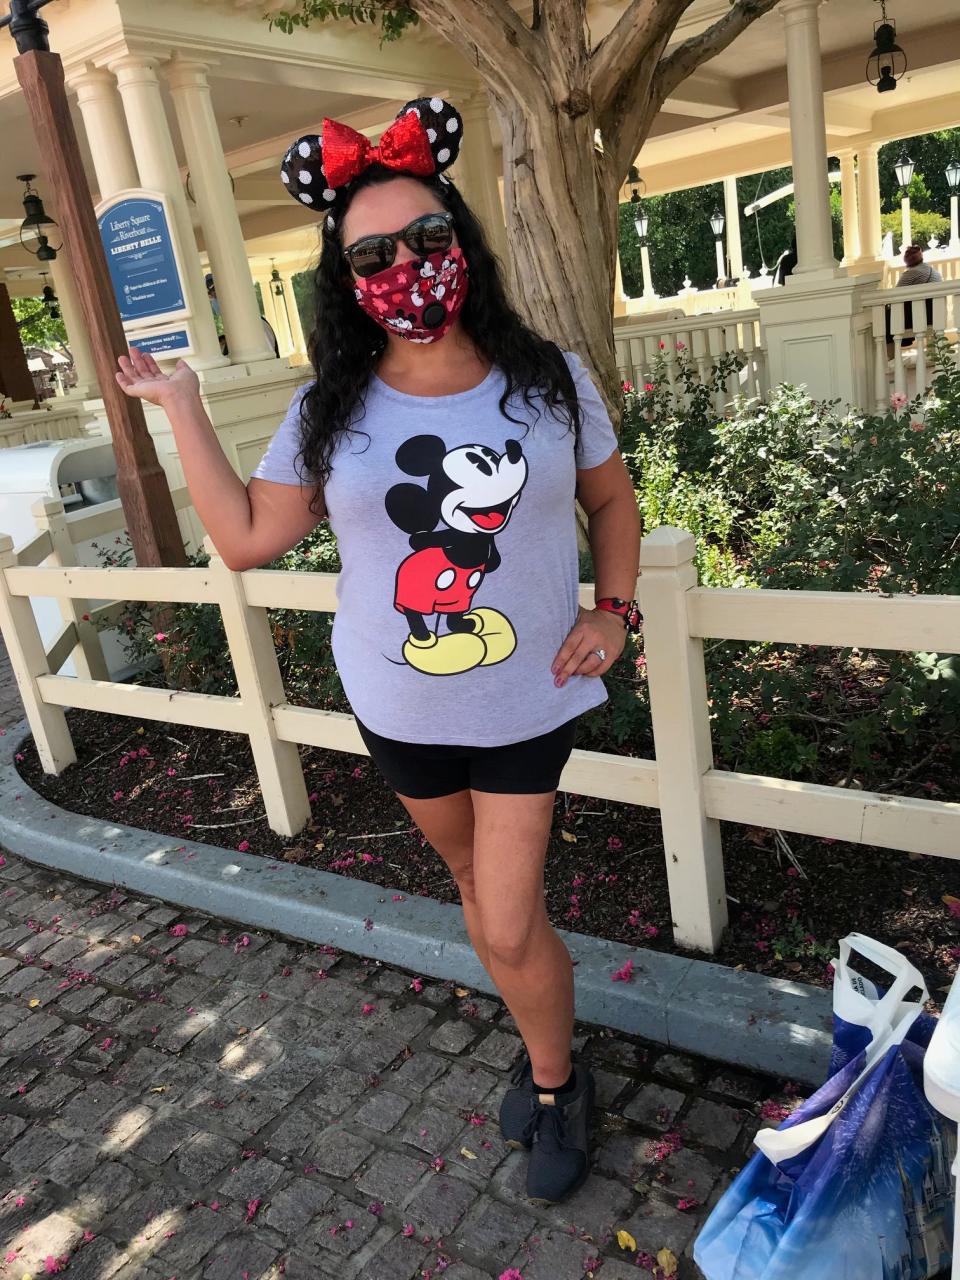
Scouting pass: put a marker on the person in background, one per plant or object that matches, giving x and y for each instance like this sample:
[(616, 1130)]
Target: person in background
[(916, 272), (214, 302)]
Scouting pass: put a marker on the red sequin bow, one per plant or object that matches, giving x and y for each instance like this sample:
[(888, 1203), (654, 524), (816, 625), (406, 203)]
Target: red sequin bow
[(403, 146)]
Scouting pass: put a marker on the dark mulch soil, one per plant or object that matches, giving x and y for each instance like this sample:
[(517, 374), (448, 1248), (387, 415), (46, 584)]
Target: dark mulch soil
[(605, 869)]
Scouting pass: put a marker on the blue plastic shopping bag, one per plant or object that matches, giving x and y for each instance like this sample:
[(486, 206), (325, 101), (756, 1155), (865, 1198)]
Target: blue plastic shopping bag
[(856, 1184)]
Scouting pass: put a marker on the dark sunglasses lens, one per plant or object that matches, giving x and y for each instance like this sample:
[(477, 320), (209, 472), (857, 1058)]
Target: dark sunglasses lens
[(430, 234), (372, 254)]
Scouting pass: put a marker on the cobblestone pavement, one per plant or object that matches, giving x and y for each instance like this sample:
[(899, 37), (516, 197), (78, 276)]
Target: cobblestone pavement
[(182, 1098)]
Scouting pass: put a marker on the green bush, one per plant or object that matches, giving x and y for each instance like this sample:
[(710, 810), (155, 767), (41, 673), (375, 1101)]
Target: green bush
[(923, 225)]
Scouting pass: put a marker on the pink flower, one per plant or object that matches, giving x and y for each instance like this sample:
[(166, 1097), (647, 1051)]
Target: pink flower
[(117, 795), (626, 385), (243, 846), (916, 426), (177, 930), (650, 931), (160, 637), (252, 1207), (624, 974), (687, 1202), (774, 1111), (648, 386), (614, 842), (437, 1163), (417, 985), (409, 1230), (897, 401), (368, 1009)]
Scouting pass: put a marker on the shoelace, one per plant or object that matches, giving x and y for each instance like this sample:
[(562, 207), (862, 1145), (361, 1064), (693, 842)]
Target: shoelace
[(545, 1119)]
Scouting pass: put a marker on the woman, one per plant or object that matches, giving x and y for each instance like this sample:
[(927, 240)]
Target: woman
[(445, 441)]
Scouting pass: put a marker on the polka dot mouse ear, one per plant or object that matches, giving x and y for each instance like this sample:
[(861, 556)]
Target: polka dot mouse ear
[(301, 172), (444, 129)]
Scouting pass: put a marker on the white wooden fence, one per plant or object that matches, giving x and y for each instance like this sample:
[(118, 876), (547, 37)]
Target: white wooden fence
[(919, 312), (62, 421), (692, 796), (700, 339)]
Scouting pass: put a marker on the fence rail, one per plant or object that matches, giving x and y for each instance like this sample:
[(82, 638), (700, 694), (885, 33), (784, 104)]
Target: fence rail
[(692, 796), (916, 312), (703, 339)]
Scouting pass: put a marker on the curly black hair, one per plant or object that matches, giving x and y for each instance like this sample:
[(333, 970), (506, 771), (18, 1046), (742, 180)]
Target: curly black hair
[(345, 344)]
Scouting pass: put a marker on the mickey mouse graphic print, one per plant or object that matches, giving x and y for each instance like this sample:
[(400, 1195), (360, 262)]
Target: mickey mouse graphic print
[(460, 571)]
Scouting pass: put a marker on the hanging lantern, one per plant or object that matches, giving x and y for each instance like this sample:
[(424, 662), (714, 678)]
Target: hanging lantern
[(38, 228), (904, 170), (887, 61), (717, 223), (276, 284), (50, 300), (953, 176), (641, 219)]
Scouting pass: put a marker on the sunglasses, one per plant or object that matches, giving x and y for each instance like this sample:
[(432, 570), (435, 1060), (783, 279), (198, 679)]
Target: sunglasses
[(430, 233)]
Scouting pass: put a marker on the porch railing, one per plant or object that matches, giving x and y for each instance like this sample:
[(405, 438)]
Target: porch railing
[(693, 797), (32, 425), (918, 312), (703, 340)]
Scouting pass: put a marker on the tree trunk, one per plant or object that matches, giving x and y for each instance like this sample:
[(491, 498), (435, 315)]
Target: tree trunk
[(560, 207)]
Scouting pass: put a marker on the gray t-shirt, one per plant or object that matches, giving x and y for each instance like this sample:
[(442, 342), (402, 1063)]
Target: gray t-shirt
[(457, 540)]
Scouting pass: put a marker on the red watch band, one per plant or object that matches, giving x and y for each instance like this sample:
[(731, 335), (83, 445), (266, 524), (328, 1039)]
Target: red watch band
[(627, 610)]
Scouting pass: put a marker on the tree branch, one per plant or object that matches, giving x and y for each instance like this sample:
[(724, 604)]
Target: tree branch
[(685, 59), (616, 58), (486, 30)]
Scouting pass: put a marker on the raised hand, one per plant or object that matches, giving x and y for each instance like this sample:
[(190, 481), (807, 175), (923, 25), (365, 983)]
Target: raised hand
[(140, 376)]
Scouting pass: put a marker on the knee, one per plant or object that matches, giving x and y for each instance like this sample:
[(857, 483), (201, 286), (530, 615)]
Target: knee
[(509, 941)]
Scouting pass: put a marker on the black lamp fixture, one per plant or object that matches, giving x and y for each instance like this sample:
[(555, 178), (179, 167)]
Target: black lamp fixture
[(640, 219), (887, 61), (276, 284), (717, 223), (953, 176), (50, 299), (38, 228), (904, 170)]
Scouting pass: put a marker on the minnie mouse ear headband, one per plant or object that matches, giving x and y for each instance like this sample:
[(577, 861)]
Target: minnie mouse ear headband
[(424, 139)]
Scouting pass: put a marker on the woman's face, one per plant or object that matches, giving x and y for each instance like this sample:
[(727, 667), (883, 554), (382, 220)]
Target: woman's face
[(388, 207)]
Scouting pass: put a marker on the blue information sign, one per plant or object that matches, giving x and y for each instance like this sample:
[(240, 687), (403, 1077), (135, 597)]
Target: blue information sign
[(140, 254), (156, 344)]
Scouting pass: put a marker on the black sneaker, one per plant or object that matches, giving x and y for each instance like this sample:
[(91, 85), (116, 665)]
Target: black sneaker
[(517, 1105), (560, 1156)]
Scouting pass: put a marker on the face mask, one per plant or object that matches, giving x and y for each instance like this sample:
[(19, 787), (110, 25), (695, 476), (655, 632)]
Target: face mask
[(419, 299)]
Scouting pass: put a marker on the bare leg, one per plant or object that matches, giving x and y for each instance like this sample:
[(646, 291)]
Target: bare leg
[(448, 824), (528, 961)]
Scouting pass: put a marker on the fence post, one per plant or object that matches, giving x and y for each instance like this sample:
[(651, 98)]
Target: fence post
[(681, 733), (261, 689), (28, 659), (88, 656)]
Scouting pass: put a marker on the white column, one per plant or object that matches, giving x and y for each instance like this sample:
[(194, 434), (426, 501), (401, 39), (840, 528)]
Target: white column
[(808, 137), (954, 225), (158, 169), (87, 386), (721, 266), (731, 209), (106, 130), (906, 230), (648, 290), (848, 201), (868, 200), (222, 235), (476, 171), (299, 339)]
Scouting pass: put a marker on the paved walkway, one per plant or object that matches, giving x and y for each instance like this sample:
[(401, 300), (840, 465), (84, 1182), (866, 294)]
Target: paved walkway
[(183, 1098)]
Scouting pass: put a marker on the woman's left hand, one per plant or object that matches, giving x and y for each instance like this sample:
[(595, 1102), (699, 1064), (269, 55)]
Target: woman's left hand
[(593, 629)]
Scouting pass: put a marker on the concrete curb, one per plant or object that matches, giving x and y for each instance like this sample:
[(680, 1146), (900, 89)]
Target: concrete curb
[(744, 1019)]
